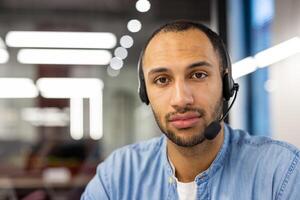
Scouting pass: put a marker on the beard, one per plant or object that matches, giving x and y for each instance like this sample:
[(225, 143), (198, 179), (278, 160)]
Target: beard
[(193, 139)]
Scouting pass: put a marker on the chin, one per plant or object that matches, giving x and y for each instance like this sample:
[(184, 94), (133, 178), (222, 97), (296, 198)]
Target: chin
[(185, 137)]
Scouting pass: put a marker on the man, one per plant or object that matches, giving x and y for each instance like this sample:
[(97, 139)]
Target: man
[(185, 76)]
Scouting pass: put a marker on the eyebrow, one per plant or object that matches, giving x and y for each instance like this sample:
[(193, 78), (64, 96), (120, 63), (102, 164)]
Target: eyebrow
[(157, 70), (191, 66), (199, 64)]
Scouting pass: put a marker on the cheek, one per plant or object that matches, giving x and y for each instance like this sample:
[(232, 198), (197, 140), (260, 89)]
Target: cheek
[(208, 95), (160, 107), (159, 98), (159, 115), (216, 98)]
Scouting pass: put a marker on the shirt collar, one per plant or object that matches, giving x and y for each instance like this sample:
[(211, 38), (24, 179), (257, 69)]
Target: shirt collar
[(214, 167)]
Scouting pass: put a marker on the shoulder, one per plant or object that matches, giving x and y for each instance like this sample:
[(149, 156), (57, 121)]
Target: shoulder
[(262, 153), (276, 161), (121, 171), (265, 150), (241, 140), (133, 157), (144, 148), (128, 164)]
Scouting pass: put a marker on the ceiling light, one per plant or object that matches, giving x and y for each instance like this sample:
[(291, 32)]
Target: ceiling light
[(69, 87), (52, 39), (17, 88), (76, 89), (126, 41), (243, 67), (278, 52), (266, 57), (143, 5), (116, 63), (96, 117), (54, 117), (134, 25), (76, 118), (64, 56), (121, 52)]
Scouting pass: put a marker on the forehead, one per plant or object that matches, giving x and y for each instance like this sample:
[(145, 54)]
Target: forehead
[(168, 48)]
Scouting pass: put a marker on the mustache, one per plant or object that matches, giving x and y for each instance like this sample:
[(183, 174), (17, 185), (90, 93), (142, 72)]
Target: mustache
[(200, 111)]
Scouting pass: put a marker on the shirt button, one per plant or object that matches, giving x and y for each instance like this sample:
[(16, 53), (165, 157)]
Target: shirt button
[(171, 180)]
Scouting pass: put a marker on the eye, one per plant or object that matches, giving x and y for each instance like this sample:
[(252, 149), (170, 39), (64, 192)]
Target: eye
[(162, 80), (199, 75)]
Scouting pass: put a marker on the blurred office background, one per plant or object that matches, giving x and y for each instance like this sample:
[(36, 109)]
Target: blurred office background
[(68, 81)]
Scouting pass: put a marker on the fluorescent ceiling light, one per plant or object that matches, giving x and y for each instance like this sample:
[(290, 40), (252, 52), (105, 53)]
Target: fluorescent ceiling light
[(266, 57), (17, 88), (4, 56), (53, 117), (96, 117), (278, 52), (76, 118), (76, 89), (64, 56), (69, 87), (52, 39), (243, 67)]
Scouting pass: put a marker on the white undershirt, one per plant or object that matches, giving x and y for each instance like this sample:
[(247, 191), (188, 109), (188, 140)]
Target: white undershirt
[(186, 191)]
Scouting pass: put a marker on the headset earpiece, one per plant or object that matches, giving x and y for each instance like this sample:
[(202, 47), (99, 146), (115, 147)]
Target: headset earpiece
[(228, 82), (142, 85), (228, 90)]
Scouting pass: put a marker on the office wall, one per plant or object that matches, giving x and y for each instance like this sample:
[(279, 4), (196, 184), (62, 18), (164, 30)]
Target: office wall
[(284, 76)]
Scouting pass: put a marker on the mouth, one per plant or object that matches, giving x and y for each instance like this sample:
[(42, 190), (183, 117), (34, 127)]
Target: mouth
[(183, 121)]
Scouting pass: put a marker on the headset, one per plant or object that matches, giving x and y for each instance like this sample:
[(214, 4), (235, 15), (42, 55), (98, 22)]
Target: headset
[(229, 86)]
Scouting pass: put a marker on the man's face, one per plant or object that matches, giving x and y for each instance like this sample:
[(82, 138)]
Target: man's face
[(184, 86)]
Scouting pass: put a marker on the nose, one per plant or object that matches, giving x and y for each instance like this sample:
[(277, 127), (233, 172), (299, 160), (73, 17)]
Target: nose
[(182, 95)]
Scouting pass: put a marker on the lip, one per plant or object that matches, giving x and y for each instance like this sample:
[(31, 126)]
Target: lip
[(181, 121)]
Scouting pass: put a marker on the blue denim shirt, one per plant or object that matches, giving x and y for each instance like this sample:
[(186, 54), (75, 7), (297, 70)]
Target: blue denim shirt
[(246, 167)]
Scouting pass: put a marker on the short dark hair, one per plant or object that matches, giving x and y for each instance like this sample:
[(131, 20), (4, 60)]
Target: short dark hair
[(184, 25)]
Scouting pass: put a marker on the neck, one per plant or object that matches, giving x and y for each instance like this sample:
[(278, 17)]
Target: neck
[(191, 161)]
